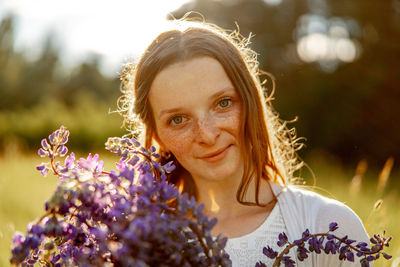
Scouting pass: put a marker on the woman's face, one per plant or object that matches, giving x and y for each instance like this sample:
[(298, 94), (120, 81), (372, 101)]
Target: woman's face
[(197, 114)]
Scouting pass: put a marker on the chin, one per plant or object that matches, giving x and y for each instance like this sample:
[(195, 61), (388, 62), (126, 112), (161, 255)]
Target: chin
[(231, 169), (220, 174), (228, 168)]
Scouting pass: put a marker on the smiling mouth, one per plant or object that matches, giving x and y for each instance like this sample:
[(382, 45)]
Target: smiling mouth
[(216, 156)]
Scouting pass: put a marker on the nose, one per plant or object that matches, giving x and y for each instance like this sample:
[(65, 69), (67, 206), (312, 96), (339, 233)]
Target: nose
[(207, 131)]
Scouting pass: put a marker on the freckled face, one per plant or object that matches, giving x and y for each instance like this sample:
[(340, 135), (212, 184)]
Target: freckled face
[(197, 115)]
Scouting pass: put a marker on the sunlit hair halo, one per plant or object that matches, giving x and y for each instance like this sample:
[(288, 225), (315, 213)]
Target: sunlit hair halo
[(269, 147)]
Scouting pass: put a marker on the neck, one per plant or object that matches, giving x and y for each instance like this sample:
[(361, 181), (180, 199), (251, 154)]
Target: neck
[(219, 197)]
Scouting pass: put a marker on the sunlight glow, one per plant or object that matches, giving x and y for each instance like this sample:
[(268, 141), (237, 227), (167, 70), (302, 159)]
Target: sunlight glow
[(273, 2), (316, 46), (116, 30), (326, 41), (313, 47), (214, 205), (345, 50)]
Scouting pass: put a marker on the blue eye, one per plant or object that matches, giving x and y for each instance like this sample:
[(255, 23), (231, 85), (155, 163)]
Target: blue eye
[(176, 120), (225, 103)]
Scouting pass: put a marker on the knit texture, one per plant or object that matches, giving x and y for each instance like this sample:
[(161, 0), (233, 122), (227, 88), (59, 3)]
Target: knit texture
[(246, 250)]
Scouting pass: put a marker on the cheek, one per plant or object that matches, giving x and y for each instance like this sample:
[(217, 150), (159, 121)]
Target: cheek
[(178, 143), (236, 121), (232, 121)]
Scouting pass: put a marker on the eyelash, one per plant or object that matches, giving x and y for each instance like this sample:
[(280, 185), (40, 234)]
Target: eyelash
[(224, 99), (171, 120)]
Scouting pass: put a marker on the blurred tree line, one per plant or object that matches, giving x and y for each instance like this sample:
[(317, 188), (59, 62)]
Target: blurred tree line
[(351, 108), (348, 107), (37, 95)]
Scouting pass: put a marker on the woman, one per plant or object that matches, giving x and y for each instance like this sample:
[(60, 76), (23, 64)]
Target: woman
[(198, 93)]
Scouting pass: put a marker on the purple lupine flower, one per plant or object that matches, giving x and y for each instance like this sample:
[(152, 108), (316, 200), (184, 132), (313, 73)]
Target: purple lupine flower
[(364, 263), (362, 245), (169, 167), (90, 210), (127, 172), (333, 226), (65, 139), (129, 216), (302, 253), (135, 142), (334, 244), (41, 167), (133, 160), (62, 150), (342, 252), (349, 241), (152, 149), (350, 256), (44, 144), (386, 256), (260, 264), (18, 239), (282, 239), (35, 229), (70, 160), (42, 152), (305, 235), (269, 252), (44, 170), (53, 138), (288, 262), (330, 247), (91, 163), (314, 245)]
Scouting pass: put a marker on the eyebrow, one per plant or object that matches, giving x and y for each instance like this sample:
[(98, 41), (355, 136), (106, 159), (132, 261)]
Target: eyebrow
[(213, 96)]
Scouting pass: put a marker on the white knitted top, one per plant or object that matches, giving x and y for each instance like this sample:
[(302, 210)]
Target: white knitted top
[(245, 251), (297, 210)]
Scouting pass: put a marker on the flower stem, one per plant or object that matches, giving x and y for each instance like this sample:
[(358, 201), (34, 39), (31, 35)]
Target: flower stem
[(277, 261)]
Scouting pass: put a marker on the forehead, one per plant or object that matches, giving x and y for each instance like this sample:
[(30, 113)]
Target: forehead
[(188, 82)]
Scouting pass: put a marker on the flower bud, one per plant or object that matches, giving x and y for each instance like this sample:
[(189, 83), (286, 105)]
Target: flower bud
[(135, 142), (41, 167), (44, 144), (45, 171), (53, 138), (386, 256), (42, 153), (333, 226), (63, 151), (60, 148), (64, 140)]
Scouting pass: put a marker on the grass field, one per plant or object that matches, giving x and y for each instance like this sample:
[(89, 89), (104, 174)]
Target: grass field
[(23, 192)]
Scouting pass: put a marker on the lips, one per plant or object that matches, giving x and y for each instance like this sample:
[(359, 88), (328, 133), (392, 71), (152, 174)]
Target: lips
[(216, 155)]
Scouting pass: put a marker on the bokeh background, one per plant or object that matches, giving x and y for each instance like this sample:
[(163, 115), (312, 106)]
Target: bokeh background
[(336, 65)]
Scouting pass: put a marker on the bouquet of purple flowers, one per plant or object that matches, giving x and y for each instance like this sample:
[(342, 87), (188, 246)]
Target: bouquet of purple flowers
[(132, 216)]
